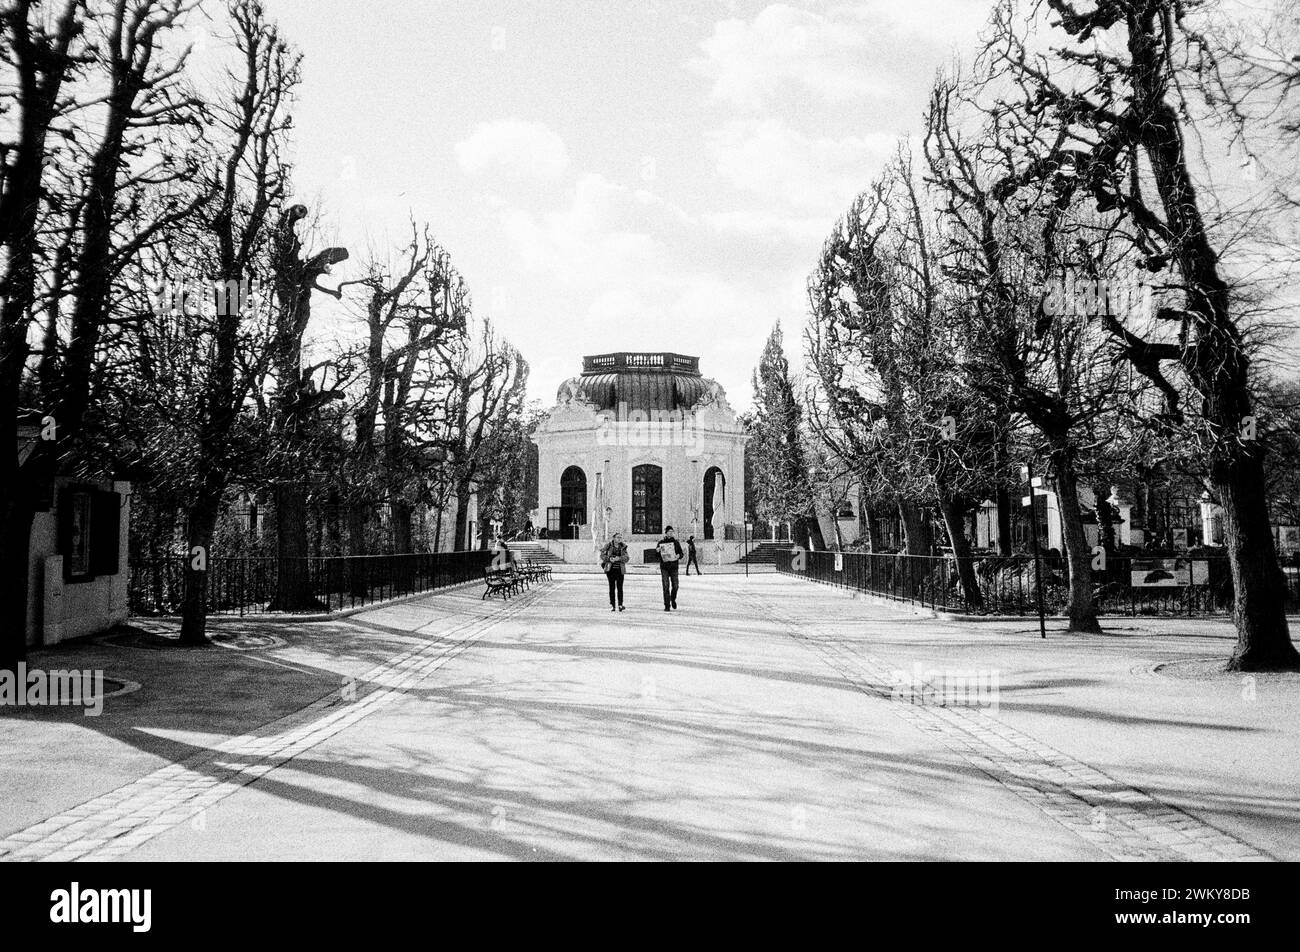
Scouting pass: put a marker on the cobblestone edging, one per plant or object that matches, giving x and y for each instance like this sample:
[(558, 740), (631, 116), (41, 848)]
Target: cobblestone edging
[(1122, 821), (113, 824)]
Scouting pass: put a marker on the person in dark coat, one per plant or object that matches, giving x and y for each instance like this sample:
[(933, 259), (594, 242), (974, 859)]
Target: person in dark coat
[(670, 557), (613, 562), (690, 556)]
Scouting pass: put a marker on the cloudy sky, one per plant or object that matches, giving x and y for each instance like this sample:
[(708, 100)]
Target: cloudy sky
[(614, 175)]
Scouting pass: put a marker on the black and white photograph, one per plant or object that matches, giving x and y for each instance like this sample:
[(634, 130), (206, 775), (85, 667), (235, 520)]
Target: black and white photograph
[(661, 431)]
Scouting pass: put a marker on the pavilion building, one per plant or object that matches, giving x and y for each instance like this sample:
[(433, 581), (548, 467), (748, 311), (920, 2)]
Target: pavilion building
[(637, 442)]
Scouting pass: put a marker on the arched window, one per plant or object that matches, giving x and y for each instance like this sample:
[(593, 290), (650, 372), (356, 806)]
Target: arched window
[(647, 499), (715, 495), (573, 501)]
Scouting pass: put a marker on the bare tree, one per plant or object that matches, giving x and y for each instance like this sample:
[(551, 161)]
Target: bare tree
[(880, 296), (70, 62), (1121, 92), (248, 178), (409, 310), (296, 400), (1052, 366)]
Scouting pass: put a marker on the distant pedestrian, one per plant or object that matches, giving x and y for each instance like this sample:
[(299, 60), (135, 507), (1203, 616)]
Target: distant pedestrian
[(670, 556), (690, 556), (613, 561)]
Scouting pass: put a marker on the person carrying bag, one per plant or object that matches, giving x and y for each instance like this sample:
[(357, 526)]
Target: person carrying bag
[(613, 560)]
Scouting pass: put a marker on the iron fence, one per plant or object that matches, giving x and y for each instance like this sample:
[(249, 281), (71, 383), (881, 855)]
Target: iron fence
[(241, 586), (1130, 585)]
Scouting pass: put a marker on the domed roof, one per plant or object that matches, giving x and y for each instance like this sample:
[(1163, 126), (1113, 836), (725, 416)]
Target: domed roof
[(626, 382)]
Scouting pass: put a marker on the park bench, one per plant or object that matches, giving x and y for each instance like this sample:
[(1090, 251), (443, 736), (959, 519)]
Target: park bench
[(536, 570), (509, 579), (505, 582)]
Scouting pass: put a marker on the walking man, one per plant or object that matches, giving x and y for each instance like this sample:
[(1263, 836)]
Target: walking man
[(670, 556), (613, 558), (690, 556)]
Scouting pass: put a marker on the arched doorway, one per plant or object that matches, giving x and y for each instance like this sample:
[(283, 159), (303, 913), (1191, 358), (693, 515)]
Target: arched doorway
[(647, 499), (714, 499), (573, 502)]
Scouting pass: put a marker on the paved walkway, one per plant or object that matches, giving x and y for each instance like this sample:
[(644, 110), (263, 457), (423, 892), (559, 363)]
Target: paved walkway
[(763, 721)]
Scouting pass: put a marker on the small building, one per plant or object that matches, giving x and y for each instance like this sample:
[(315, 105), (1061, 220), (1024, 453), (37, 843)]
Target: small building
[(77, 559), (637, 442)]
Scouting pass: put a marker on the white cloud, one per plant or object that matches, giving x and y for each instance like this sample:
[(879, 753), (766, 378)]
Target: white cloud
[(770, 227), (938, 21), (835, 55), (750, 61), (618, 267), (605, 230), (518, 149), (790, 169)]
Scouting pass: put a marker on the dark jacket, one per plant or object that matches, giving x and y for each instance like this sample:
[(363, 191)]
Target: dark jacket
[(676, 545), (614, 554)]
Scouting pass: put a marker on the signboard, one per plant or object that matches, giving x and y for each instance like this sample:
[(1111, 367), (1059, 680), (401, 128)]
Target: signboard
[(839, 562), (1162, 573)]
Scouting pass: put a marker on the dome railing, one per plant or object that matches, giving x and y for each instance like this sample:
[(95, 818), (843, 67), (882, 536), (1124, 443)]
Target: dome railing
[(653, 361)]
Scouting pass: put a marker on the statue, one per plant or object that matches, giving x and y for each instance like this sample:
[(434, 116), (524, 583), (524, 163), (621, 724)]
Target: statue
[(714, 398), (571, 395)]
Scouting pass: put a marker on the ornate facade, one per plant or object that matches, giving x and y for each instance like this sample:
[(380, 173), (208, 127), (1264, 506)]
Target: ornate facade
[(637, 442)]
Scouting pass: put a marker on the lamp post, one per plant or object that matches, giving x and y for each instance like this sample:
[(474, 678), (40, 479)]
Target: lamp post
[(1035, 483)]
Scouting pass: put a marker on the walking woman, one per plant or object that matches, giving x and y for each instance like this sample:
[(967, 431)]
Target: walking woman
[(613, 559)]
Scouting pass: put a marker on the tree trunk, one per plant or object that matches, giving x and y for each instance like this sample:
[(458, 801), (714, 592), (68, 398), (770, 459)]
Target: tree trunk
[(1259, 588), (202, 521), (462, 518), (293, 578), (1002, 497), (16, 530), (954, 522), (1081, 610), (358, 522), (1006, 545), (401, 515), (404, 569), (358, 518), (916, 528), (333, 527)]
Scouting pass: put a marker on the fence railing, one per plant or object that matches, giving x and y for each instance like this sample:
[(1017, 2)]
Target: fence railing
[(1130, 585), (234, 586)]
